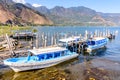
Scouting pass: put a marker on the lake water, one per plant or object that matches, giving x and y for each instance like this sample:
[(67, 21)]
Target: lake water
[(112, 46), (112, 52)]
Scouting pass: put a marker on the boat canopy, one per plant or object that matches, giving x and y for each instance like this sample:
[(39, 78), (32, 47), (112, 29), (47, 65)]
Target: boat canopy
[(98, 38), (47, 50), (70, 39)]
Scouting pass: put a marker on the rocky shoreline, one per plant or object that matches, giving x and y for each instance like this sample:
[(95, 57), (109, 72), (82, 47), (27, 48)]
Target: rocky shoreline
[(96, 69)]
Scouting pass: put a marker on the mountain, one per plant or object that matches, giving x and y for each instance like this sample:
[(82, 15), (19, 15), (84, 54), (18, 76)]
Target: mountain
[(43, 9), (79, 16), (5, 14), (113, 17), (73, 15), (21, 14)]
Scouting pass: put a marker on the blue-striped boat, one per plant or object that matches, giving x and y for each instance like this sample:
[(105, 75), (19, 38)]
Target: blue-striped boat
[(96, 43), (41, 58)]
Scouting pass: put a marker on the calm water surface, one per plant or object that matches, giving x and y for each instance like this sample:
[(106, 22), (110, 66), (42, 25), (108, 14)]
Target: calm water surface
[(112, 52)]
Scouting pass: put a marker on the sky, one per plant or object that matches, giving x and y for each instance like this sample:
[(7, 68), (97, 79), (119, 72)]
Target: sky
[(106, 6)]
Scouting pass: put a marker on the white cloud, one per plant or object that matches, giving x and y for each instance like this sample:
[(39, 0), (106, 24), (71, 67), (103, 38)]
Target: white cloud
[(20, 1), (36, 5)]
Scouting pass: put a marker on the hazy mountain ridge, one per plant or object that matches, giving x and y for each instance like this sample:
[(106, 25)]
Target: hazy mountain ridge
[(27, 14), (21, 14), (79, 16)]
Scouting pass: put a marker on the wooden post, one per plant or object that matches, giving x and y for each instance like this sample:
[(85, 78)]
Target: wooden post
[(55, 41), (9, 45), (86, 35), (37, 41), (45, 44), (52, 40), (42, 40), (31, 43), (54, 36)]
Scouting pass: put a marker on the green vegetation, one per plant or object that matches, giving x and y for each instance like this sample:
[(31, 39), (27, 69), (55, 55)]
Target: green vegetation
[(34, 30), (9, 30)]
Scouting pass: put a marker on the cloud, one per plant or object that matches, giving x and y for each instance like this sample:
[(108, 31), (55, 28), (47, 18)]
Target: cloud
[(20, 1), (36, 5)]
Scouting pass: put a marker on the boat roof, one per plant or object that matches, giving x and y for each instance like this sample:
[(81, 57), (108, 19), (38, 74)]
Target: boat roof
[(46, 50), (66, 40), (98, 38)]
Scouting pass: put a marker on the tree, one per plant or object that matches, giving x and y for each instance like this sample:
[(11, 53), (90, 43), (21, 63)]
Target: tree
[(9, 22)]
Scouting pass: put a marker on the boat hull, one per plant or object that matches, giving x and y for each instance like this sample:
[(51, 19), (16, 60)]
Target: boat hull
[(40, 64), (91, 48)]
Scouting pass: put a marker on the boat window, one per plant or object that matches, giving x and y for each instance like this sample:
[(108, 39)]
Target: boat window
[(62, 53), (62, 44), (41, 57), (65, 52), (91, 42), (98, 42), (48, 56), (30, 53), (102, 41), (78, 39), (56, 54)]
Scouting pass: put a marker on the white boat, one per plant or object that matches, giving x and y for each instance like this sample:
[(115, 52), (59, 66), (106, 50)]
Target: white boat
[(41, 58), (66, 41), (96, 43)]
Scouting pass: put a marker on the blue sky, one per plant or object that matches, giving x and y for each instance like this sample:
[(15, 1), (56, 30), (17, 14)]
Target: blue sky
[(106, 6)]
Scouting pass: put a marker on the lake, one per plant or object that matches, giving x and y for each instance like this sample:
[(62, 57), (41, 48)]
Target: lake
[(110, 54)]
